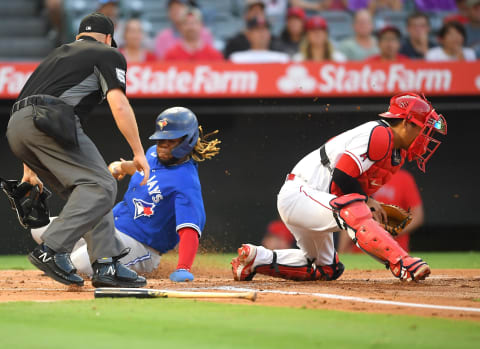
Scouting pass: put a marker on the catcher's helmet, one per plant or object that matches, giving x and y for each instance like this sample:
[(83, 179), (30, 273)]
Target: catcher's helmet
[(174, 123), (417, 109)]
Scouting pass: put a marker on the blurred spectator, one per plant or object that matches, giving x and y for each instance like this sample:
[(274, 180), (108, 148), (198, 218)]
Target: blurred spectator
[(294, 31), (472, 28), (363, 44), (435, 5), (276, 11), (275, 7), (55, 16), (321, 5), (253, 8), (259, 38), (110, 8), (451, 38), (462, 14), (418, 41), (389, 39), (191, 46), (133, 48), (278, 237), (316, 46), (169, 36), (375, 6), (402, 191)]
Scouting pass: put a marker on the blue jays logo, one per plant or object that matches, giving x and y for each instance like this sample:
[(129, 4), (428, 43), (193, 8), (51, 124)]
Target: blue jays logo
[(143, 208), (162, 123)]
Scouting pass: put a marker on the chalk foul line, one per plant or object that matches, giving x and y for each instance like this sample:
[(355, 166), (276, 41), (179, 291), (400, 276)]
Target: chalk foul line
[(347, 298)]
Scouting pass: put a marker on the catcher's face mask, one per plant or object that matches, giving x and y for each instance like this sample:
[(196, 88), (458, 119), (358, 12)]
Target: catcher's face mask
[(423, 147), (29, 203), (415, 108)]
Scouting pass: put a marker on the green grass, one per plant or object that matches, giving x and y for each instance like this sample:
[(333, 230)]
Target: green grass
[(437, 260), (16, 262), (165, 323)]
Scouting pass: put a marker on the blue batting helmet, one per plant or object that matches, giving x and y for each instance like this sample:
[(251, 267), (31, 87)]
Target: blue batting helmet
[(174, 123)]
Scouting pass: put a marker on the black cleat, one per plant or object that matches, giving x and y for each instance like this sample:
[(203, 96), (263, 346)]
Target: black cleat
[(109, 272), (58, 266)]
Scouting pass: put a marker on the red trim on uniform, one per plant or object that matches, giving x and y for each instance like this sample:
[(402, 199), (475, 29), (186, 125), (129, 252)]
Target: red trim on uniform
[(187, 247), (348, 165), (318, 202), (379, 143), (357, 160)]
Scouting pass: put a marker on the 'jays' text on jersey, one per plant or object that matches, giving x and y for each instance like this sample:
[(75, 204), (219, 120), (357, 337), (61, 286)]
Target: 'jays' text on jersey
[(171, 200), (369, 145)]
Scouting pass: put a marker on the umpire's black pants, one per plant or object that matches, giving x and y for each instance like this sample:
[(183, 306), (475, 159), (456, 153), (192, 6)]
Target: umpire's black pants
[(78, 174)]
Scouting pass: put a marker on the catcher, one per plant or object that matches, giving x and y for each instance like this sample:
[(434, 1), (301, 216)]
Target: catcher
[(330, 189), (154, 218)]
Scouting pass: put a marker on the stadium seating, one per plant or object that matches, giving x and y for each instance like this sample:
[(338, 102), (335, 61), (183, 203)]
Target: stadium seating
[(339, 24), (391, 18), (23, 31)]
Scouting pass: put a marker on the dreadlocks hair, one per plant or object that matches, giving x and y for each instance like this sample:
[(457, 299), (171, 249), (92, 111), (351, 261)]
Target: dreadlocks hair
[(205, 149)]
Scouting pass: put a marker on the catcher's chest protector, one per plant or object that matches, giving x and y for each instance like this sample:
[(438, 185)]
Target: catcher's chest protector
[(382, 170)]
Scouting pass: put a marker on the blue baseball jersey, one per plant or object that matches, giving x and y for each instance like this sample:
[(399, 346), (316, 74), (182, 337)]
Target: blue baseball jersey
[(171, 200)]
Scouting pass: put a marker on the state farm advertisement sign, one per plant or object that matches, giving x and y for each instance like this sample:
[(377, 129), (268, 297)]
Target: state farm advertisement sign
[(227, 80)]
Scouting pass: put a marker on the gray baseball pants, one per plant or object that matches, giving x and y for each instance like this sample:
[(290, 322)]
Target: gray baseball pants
[(78, 174)]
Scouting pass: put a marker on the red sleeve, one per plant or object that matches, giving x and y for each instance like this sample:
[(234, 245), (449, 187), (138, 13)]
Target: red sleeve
[(187, 248), (348, 165)]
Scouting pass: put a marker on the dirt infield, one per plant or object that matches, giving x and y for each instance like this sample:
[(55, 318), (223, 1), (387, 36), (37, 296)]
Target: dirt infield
[(447, 293)]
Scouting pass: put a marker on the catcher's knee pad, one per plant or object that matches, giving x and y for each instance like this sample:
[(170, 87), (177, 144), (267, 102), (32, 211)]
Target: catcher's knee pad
[(308, 272), (353, 215)]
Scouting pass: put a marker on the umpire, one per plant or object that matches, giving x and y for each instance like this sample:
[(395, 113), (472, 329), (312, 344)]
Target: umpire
[(45, 132)]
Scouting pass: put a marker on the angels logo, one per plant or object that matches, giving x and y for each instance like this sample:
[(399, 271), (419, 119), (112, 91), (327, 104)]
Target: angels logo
[(162, 123), (143, 208)]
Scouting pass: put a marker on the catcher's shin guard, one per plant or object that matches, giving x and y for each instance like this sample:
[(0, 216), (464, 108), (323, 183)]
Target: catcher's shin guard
[(353, 215), (309, 272)]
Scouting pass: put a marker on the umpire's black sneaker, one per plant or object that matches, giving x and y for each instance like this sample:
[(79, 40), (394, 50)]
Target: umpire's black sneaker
[(56, 265), (109, 272)]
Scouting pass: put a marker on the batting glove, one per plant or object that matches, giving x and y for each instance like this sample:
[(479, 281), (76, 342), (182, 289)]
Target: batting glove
[(181, 275)]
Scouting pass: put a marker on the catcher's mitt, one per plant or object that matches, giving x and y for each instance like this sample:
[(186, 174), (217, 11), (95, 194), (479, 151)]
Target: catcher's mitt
[(28, 202), (397, 219)]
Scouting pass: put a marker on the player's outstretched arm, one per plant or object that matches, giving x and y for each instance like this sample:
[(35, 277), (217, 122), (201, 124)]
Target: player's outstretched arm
[(126, 123), (120, 169)]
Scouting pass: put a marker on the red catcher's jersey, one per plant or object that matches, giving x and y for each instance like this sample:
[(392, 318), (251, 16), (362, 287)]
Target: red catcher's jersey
[(365, 152)]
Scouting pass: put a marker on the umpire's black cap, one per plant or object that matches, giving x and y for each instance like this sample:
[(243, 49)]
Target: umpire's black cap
[(97, 23)]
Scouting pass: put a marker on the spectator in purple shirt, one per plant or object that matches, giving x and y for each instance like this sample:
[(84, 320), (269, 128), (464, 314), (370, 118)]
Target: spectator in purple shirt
[(376, 5), (435, 5)]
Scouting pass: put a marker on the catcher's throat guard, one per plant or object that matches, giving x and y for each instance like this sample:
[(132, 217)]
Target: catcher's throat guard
[(423, 147), (29, 203)]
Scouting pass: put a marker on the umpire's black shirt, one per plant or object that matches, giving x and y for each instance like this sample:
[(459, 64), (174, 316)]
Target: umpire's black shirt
[(80, 73)]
